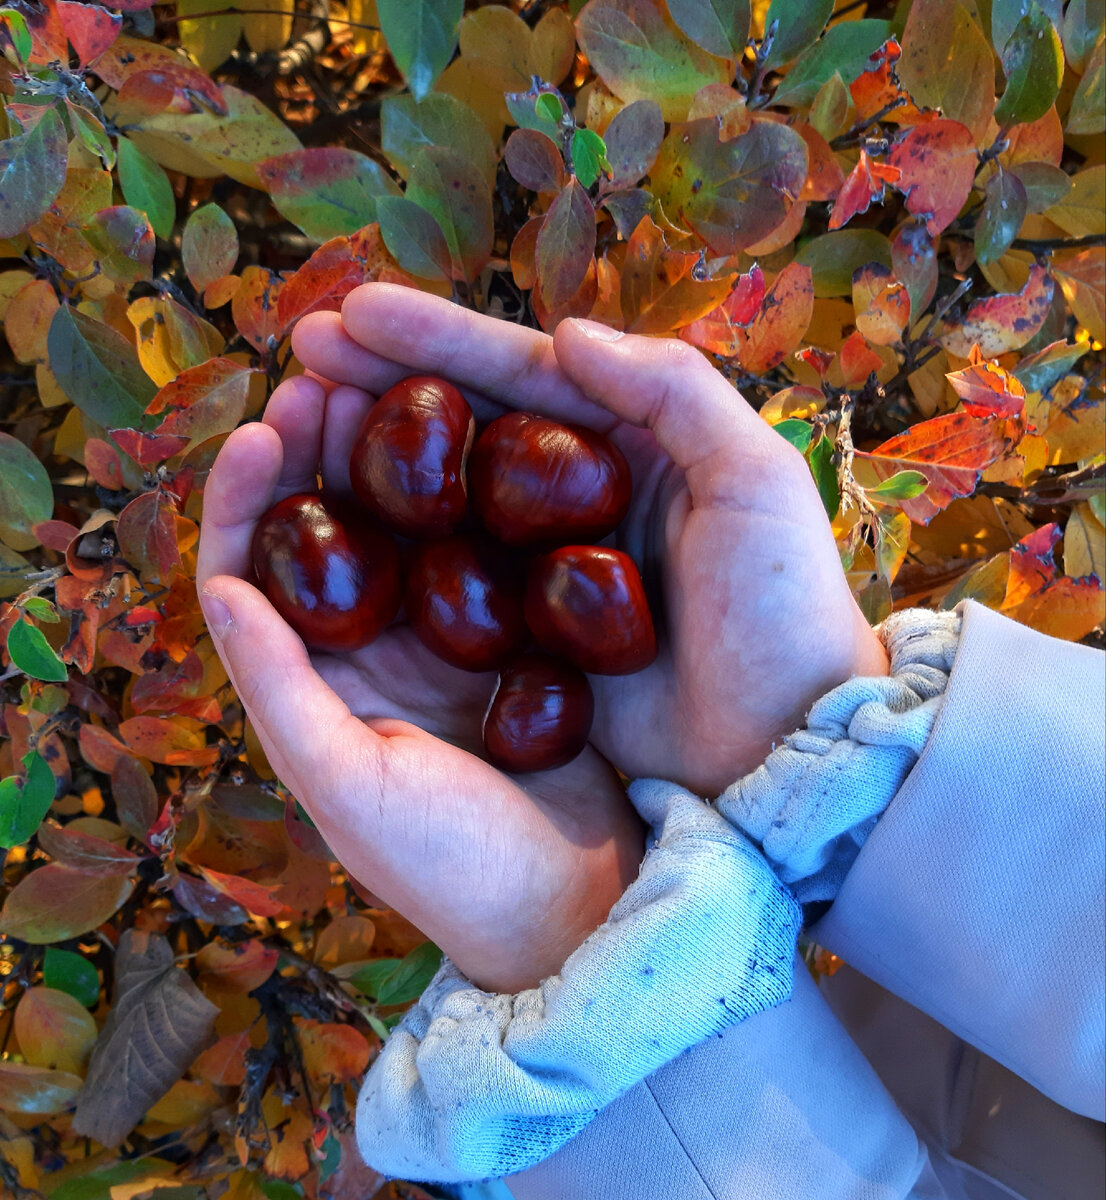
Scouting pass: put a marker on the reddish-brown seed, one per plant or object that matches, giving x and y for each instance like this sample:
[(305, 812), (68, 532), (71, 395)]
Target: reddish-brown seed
[(536, 481), (540, 715), (335, 581), (463, 597), (408, 459), (587, 604)]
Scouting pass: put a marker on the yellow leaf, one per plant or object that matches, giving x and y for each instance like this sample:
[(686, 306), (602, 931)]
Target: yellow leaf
[(54, 1030), (209, 40), (1082, 212), (187, 1102), (1084, 544), (1072, 425), (267, 24), (362, 13)]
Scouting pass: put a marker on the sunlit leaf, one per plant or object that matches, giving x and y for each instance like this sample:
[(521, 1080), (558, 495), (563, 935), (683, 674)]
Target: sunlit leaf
[(881, 303), (797, 432), (1000, 323), (824, 470), (781, 321), (937, 164)]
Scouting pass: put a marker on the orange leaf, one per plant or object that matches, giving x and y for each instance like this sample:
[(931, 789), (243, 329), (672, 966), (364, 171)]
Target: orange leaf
[(176, 741), (866, 182), (783, 318), (858, 360), (877, 86), (253, 897), (1001, 323), (243, 966), (882, 305), (254, 307), (1056, 605), (987, 390), (951, 451), (720, 331), (937, 163), (333, 1053)]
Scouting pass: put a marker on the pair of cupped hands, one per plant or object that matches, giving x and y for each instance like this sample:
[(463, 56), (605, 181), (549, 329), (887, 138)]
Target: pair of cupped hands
[(508, 875)]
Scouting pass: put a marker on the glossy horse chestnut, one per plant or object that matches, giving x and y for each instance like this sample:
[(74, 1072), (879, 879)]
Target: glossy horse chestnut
[(336, 582), (587, 603), (540, 715), (464, 600), (534, 480), (408, 459)]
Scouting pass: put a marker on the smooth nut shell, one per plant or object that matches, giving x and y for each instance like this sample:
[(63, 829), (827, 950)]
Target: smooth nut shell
[(540, 715), (336, 581), (588, 604), (533, 481), (407, 465)]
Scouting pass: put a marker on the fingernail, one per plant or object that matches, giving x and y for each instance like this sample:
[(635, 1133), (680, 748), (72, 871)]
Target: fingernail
[(598, 332), (216, 612)]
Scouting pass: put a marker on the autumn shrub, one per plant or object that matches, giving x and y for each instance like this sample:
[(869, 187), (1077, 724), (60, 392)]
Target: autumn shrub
[(885, 224)]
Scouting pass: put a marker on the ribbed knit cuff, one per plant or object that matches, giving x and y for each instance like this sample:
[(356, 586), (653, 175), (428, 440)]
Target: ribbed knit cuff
[(472, 1085), (814, 801)]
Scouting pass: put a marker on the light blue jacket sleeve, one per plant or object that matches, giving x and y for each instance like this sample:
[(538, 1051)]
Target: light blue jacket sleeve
[(978, 897)]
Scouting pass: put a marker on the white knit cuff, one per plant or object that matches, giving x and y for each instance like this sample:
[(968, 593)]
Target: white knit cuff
[(472, 1085), (815, 800)]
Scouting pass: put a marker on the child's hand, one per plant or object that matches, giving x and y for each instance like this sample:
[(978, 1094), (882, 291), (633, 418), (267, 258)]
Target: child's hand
[(507, 877), (759, 619)]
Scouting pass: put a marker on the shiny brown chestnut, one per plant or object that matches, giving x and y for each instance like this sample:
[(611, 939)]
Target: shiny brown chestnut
[(463, 597), (540, 715), (335, 581), (408, 459), (587, 604), (533, 481)]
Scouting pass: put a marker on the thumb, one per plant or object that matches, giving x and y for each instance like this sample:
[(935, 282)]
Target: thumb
[(302, 723), (698, 419)]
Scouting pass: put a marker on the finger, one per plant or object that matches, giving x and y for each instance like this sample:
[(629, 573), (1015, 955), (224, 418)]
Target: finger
[(665, 385), (506, 362), (295, 410), (240, 488), (346, 407), (328, 385), (303, 726)]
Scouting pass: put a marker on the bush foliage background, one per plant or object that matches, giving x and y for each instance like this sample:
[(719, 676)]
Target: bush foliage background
[(884, 221)]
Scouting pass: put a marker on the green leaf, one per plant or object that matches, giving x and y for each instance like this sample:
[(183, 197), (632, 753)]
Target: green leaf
[(378, 1027), (1033, 61), (797, 432), (1004, 209), (719, 26), (797, 26), (32, 170), (20, 34), (98, 1184), (277, 1189), (834, 257), (209, 246), (1084, 21), (640, 55), (408, 126), (328, 191), (372, 975), (825, 475), (98, 369), (548, 107), (1045, 185), (589, 156), (454, 192), (73, 974), (41, 609), (1048, 366), (421, 36), (903, 485), (25, 801), (1005, 15), (25, 493), (91, 131), (29, 650), (845, 49), (414, 239), (732, 194), (1088, 106), (409, 979), (146, 187)]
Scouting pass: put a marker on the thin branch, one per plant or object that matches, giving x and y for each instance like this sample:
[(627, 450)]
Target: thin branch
[(1047, 245), (852, 136)]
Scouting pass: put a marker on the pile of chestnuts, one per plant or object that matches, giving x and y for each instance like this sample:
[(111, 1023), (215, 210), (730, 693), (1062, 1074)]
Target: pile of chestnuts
[(497, 556)]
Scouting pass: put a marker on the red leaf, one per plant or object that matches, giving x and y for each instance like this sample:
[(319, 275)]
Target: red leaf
[(783, 318), (253, 897), (90, 29), (147, 448), (84, 852), (1054, 604), (534, 161), (1004, 322), (102, 462), (951, 451), (565, 246), (55, 535), (937, 163), (100, 749), (858, 360), (204, 401), (241, 967), (203, 901), (866, 182), (988, 391), (148, 536)]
